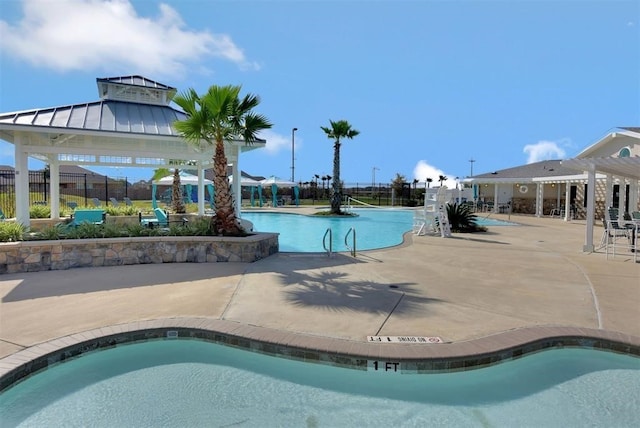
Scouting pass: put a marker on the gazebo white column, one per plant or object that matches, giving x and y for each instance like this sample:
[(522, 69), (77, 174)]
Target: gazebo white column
[(54, 179), (539, 198), (201, 192), (495, 197), (22, 183)]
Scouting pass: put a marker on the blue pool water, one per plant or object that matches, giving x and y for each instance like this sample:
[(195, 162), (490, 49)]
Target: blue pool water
[(189, 383), (375, 228)]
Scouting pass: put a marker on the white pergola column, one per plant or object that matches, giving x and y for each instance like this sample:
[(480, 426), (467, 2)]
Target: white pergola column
[(496, 188), (22, 183), (567, 201), (236, 186), (591, 196), (608, 192), (54, 182)]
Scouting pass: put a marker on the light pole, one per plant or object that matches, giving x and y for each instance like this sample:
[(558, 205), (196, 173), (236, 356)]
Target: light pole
[(471, 161), (373, 176), (293, 154)]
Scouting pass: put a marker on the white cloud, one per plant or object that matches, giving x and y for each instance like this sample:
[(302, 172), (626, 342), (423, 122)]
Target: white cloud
[(423, 170), (277, 142), (67, 35), (544, 150)]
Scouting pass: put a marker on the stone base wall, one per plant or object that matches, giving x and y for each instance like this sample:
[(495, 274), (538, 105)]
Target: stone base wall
[(35, 256)]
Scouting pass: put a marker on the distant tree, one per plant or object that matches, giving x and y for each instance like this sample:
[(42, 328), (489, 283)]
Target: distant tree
[(398, 183), (336, 131), (219, 116), (442, 179), (429, 181)]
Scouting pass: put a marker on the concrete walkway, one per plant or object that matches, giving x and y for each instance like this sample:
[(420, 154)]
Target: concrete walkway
[(467, 287)]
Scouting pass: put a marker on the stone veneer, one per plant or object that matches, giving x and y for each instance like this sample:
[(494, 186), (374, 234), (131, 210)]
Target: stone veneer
[(35, 256)]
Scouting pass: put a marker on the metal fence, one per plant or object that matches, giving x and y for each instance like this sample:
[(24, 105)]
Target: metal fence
[(83, 188), (74, 187)]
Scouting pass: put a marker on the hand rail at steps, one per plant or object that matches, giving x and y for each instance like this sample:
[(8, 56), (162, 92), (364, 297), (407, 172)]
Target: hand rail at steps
[(324, 241), (346, 244)]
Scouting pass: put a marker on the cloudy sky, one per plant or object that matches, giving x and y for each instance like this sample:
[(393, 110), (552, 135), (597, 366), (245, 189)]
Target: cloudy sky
[(430, 85)]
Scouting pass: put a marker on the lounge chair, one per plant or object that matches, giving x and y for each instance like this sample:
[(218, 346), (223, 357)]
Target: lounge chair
[(127, 201), (161, 220), (2, 216), (114, 202), (72, 205), (87, 216), (96, 202)]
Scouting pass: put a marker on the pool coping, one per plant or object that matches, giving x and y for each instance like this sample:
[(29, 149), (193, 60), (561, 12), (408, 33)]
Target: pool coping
[(413, 358)]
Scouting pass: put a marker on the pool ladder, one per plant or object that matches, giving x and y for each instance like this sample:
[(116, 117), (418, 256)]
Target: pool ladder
[(329, 233)]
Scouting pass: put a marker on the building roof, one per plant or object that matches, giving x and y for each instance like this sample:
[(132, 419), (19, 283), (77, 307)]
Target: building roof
[(542, 169)]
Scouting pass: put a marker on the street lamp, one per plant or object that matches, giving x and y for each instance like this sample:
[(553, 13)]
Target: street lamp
[(293, 156)]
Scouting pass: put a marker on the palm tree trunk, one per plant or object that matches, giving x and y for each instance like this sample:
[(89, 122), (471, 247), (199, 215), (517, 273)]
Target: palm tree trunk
[(226, 221), (176, 194), (336, 197)]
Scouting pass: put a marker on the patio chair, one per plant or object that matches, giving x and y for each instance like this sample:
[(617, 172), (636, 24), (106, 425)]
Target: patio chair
[(114, 202), (96, 202), (73, 205), (2, 216), (617, 231), (161, 220), (127, 201)]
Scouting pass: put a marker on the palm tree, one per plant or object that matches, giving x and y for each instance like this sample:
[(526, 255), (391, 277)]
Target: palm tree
[(177, 204), (337, 130), (442, 179), (217, 116), (429, 180)]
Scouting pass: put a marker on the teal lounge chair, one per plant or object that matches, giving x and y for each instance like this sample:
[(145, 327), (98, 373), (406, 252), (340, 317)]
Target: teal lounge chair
[(161, 220)]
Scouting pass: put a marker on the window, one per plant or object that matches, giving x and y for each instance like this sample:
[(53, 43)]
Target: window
[(624, 152)]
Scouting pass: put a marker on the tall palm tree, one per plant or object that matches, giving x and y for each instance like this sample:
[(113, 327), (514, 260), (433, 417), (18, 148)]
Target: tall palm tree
[(442, 179), (337, 130), (215, 117), (177, 204)]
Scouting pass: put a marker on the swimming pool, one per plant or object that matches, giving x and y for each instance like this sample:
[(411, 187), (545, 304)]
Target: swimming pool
[(191, 383), (375, 228)]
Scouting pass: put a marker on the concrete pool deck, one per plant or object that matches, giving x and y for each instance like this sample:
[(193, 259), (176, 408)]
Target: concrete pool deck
[(474, 291)]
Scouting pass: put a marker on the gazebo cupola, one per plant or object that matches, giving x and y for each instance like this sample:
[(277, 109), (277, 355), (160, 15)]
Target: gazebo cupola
[(135, 89)]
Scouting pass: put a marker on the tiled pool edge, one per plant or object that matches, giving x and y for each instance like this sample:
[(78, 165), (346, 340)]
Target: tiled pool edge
[(411, 358)]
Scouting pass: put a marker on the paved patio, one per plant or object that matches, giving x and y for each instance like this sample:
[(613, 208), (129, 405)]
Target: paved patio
[(464, 290)]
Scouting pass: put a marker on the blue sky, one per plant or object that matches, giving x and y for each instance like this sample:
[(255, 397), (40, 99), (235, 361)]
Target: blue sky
[(430, 85)]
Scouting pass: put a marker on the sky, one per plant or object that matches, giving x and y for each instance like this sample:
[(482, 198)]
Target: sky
[(434, 87)]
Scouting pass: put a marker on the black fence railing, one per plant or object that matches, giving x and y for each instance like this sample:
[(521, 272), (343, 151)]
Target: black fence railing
[(81, 189)]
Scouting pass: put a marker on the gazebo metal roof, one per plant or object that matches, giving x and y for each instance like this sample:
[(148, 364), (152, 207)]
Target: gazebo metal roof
[(130, 126)]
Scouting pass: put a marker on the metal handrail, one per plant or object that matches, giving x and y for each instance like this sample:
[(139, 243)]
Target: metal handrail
[(346, 244), (324, 241)]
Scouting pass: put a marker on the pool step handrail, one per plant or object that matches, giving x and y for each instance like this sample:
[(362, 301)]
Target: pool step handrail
[(324, 241), (352, 250)]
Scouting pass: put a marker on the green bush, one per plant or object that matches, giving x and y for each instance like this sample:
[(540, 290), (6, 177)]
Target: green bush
[(121, 210), (11, 231), (39, 211)]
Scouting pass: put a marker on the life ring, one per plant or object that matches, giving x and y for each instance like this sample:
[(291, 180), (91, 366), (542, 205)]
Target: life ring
[(523, 189)]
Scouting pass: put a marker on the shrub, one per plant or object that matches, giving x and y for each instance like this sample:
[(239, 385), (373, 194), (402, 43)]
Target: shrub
[(11, 231), (39, 211), (121, 210), (461, 219)]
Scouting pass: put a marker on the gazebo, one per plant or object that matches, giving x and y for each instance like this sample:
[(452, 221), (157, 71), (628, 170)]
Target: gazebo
[(130, 126)]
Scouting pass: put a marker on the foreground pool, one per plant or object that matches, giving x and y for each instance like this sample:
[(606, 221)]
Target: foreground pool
[(190, 383)]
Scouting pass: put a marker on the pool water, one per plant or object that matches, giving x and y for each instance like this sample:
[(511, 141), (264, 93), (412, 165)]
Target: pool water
[(374, 228), (190, 383)]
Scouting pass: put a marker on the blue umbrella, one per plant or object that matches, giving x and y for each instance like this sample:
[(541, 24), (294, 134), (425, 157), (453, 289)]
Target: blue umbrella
[(274, 194), (154, 203), (212, 195), (296, 193)]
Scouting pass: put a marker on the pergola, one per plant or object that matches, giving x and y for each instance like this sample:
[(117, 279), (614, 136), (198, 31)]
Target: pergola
[(130, 126), (617, 156)]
